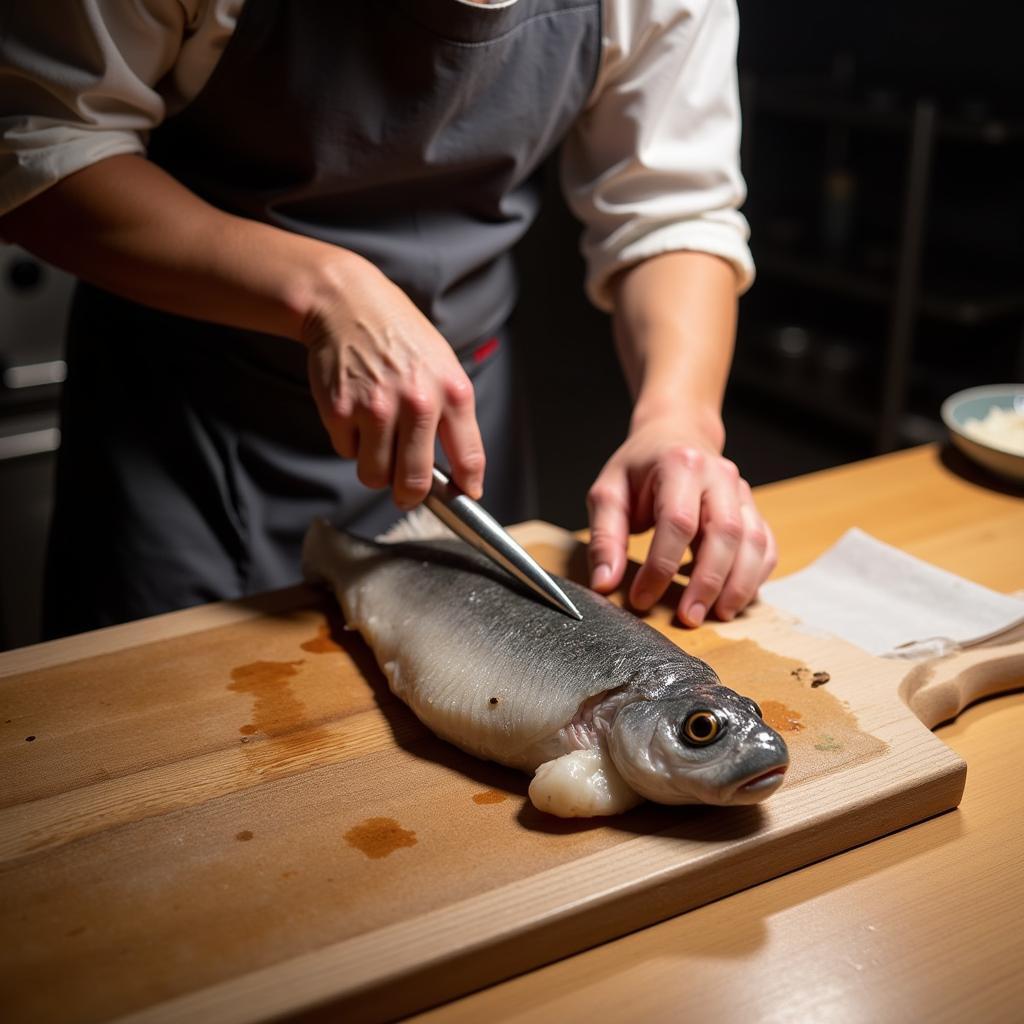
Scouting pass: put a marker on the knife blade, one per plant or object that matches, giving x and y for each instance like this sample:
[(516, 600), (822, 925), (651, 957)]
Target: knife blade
[(476, 526)]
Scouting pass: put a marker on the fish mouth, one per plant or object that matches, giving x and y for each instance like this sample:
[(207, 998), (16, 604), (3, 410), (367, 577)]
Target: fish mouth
[(759, 786), (766, 780)]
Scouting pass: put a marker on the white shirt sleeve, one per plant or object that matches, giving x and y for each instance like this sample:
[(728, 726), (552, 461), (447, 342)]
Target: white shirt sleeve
[(96, 79), (652, 164)]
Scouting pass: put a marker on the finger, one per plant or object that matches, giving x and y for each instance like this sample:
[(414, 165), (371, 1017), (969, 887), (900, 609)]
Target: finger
[(748, 568), (320, 368), (375, 421), (676, 508), (608, 511), (333, 407), (342, 432), (460, 435), (771, 558), (771, 553), (344, 438), (414, 452), (721, 534)]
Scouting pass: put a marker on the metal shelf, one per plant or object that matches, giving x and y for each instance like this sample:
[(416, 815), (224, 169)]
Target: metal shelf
[(810, 101), (804, 396), (917, 285), (801, 269), (952, 304), (836, 410)]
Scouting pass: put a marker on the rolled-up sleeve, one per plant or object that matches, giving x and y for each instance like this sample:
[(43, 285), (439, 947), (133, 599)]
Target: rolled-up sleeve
[(652, 165), (78, 84)]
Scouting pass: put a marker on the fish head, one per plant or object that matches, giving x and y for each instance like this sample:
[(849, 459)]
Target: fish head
[(710, 746)]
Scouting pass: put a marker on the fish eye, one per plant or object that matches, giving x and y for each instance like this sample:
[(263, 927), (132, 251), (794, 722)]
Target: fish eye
[(701, 728)]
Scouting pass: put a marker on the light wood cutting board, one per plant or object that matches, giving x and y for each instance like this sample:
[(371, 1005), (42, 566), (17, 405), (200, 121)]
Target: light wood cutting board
[(222, 814)]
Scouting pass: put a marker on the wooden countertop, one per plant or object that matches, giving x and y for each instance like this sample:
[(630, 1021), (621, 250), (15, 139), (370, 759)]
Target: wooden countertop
[(925, 924), (188, 838)]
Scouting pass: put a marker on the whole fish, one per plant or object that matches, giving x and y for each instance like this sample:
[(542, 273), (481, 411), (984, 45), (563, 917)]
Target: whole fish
[(605, 712)]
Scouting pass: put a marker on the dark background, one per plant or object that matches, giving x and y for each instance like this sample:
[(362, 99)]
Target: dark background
[(884, 154), (882, 288)]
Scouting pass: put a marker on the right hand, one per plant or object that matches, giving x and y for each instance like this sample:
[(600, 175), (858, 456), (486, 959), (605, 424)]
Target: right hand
[(386, 384)]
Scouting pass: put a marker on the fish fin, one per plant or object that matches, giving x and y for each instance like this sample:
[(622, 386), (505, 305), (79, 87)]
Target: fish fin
[(582, 784), (419, 524), (328, 555)]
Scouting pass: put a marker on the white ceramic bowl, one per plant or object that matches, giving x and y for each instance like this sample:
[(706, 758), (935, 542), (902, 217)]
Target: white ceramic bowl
[(974, 404)]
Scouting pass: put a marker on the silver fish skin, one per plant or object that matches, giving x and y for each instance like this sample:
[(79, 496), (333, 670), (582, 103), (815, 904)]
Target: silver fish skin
[(488, 666)]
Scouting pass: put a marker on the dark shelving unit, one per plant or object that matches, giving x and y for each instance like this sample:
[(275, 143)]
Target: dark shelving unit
[(811, 99), (961, 301), (814, 255)]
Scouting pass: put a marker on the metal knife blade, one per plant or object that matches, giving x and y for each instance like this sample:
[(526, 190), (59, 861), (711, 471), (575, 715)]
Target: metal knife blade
[(476, 526)]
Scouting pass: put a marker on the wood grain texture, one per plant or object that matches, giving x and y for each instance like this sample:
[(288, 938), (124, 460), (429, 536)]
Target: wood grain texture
[(923, 924), (926, 924), (938, 690), (230, 818)]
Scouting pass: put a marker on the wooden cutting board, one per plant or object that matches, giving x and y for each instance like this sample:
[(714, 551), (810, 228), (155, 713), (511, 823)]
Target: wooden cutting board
[(222, 814)]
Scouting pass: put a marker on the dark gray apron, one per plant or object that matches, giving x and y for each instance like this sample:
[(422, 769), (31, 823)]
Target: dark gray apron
[(410, 131)]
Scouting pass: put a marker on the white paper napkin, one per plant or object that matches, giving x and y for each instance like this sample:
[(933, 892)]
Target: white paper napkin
[(890, 603)]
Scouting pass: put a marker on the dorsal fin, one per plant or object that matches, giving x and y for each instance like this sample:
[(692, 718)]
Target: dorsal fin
[(419, 524)]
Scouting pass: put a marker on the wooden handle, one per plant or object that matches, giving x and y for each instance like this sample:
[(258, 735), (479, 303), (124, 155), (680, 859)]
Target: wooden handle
[(939, 689)]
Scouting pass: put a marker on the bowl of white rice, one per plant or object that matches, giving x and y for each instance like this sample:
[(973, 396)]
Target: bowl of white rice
[(987, 425)]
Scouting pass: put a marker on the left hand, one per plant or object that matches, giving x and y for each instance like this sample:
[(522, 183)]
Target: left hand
[(667, 477)]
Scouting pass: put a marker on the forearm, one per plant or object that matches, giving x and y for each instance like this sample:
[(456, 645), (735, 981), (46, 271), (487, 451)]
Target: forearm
[(127, 226), (675, 317), (675, 323), (385, 382)]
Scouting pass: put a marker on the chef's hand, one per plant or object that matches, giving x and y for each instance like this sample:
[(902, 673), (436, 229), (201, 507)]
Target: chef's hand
[(386, 384), (692, 496)]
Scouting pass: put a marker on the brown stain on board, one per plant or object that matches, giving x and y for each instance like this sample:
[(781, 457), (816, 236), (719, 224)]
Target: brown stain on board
[(244, 836), (820, 730), (490, 796), (277, 714), (323, 642), (275, 707), (781, 718), (379, 837)]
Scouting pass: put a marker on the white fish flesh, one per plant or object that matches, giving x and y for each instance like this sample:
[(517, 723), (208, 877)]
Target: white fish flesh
[(606, 712)]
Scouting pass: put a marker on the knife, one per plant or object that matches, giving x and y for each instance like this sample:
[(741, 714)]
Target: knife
[(473, 524)]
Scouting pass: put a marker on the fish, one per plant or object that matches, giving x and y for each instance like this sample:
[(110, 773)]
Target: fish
[(605, 712)]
